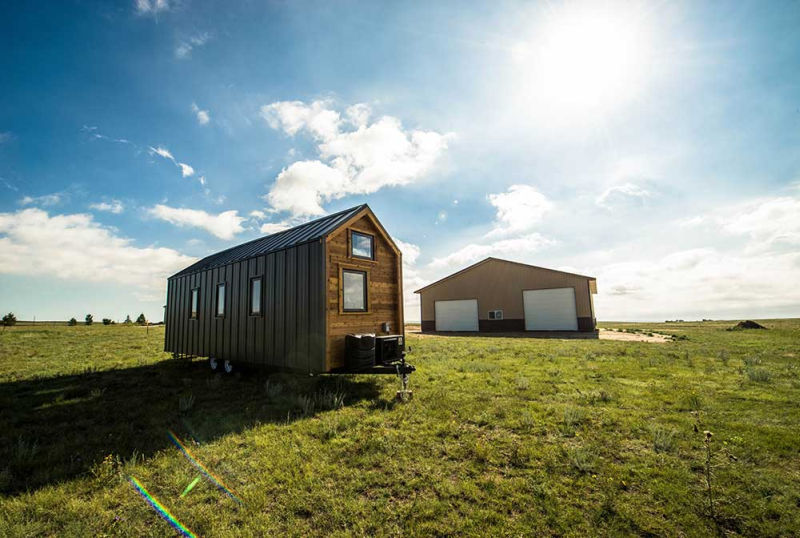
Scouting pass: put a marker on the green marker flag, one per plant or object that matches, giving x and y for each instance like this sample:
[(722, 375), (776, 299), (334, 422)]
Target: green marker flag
[(191, 486)]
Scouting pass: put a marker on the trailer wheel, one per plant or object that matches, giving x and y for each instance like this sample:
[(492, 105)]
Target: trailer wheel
[(213, 363), (228, 366)]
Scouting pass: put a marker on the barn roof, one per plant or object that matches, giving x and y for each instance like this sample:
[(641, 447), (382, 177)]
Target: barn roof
[(304, 233), (490, 259)]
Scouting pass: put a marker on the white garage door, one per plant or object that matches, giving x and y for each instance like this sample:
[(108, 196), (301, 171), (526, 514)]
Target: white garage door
[(457, 315), (550, 310)]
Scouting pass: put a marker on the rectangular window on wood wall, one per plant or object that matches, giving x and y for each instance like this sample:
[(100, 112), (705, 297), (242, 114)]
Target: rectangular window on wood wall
[(354, 290), (362, 245)]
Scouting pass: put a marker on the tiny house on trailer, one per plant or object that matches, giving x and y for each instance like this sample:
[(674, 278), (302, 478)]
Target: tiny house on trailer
[(289, 300)]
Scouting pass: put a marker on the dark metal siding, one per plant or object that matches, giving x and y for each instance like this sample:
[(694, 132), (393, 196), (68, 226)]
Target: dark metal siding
[(289, 334)]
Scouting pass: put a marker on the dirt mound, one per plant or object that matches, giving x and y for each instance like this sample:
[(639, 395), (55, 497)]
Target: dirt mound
[(747, 325)]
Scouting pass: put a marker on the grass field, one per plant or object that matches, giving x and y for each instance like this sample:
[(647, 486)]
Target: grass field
[(505, 436)]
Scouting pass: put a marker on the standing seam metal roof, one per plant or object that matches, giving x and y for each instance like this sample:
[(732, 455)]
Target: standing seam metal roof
[(304, 233)]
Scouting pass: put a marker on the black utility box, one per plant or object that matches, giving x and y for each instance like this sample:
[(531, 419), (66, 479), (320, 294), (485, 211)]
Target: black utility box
[(359, 351), (388, 348)]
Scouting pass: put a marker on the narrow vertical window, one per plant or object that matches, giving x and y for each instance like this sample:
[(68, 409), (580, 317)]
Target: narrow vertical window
[(362, 246), (220, 300), (255, 296), (193, 304), (354, 291)]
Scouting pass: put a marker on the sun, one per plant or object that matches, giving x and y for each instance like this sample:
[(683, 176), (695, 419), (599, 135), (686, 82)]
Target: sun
[(586, 56)]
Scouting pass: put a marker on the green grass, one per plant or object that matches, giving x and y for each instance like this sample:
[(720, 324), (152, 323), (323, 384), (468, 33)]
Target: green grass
[(504, 436)]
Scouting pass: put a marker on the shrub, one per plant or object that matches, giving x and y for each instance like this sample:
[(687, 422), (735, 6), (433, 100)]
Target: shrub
[(89, 319), (72, 322), (693, 401), (141, 320), (573, 417), (759, 375), (127, 320), (9, 319), (751, 361), (581, 460), (663, 439), (106, 321), (185, 403)]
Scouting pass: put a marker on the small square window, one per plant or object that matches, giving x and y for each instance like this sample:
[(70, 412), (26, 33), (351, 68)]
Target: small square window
[(193, 303), (354, 291), (495, 314), (255, 296), (362, 246), (220, 300)]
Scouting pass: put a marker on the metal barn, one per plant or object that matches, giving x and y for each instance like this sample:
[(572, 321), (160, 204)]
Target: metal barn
[(497, 295), (288, 300)]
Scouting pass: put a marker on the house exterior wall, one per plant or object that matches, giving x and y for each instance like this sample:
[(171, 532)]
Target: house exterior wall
[(384, 291), (289, 334), (498, 285)]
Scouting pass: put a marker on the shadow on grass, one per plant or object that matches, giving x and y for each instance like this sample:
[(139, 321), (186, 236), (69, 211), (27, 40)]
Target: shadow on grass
[(58, 428)]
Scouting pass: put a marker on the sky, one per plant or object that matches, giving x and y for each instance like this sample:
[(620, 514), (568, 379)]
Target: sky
[(652, 145)]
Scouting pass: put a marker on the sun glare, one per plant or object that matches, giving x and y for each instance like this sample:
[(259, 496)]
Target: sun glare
[(584, 57)]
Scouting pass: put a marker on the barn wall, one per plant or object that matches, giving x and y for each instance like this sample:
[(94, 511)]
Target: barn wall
[(384, 292), (289, 334), (497, 284)]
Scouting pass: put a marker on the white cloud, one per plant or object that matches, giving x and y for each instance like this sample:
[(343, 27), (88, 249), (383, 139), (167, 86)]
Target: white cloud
[(185, 47), (203, 116), (300, 188), (274, 227), (151, 7), (697, 283), (258, 214), (75, 247), (114, 206), (770, 221), (360, 161), (733, 261), (292, 116), (625, 195), (358, 114), (163, 152), (410, 251), (506, 248), (224, 225), (412, 278), (186, 170), (45, 200), (519, 209)]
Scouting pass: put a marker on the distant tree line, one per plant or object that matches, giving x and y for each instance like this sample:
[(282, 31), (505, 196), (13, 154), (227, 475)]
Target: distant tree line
[(10, 319), (89, 320)]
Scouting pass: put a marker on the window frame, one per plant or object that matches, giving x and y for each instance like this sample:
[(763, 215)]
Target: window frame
[(224, 300), (371, 237), (260, 296), (365, 274), (496, 315), (194, 293)]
